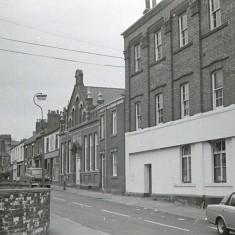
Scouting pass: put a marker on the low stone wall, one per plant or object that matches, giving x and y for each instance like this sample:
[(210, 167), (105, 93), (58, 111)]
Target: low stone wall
[(24, 211)]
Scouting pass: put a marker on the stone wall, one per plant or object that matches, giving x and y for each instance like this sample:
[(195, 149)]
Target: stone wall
[(24, 211)]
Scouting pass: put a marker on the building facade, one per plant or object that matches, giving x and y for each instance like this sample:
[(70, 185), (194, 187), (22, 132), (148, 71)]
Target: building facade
[(84, 140), (38, 144), (17, 161), (6, 143), (51, 156), (180, 88)]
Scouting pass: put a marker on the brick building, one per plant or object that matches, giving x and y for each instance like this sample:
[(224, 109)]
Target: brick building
[(180, 100), (92, 138), (6, 143), (33, 146)]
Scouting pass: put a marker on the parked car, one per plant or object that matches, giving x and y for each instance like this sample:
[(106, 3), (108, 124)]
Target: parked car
[(34, 177), (223, 214)]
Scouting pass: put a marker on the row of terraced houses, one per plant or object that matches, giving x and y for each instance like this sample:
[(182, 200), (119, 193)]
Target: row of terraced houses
[(171, 132)]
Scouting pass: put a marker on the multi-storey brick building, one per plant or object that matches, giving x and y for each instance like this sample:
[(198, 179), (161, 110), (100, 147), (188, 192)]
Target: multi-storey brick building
[(92, 138), (6, 143), (180, 99), (36, 145), (17, 161)]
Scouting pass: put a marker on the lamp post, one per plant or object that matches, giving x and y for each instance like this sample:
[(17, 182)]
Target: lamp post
[(41, 96)]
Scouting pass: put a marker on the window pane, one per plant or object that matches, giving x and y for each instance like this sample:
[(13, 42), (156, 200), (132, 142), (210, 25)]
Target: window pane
[(216, 160)]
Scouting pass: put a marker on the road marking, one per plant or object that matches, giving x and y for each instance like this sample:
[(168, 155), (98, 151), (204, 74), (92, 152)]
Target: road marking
[(60, 199), (181, 219), (169, 226), (111, 212), (212, 227), (82, 205)]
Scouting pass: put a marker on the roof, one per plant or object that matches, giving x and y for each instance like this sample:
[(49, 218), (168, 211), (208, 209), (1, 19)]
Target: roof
[(32, 139), (4, 154), (107, 93), (146, 17)]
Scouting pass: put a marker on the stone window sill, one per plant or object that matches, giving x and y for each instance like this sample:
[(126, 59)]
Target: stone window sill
[(219, 185), (185, 185), (135, 73)]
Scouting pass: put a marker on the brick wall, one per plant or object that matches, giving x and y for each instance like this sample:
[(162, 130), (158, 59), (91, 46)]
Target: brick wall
[(24, 211), (207, 50)]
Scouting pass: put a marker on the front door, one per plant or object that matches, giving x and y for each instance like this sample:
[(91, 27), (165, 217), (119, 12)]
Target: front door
[(78, 169)]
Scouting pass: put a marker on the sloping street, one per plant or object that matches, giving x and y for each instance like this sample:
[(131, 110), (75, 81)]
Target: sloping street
[(97, 213)]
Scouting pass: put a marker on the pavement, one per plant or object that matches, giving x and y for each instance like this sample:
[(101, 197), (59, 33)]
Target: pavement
[(57, 225)]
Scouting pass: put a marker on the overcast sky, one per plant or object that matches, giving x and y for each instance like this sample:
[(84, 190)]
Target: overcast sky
[(85, 25)]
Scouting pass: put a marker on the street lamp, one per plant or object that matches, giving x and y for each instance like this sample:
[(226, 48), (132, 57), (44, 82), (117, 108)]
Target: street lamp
[(41, 96)]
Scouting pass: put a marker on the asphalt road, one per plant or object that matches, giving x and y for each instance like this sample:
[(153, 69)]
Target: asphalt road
[(99, 216)]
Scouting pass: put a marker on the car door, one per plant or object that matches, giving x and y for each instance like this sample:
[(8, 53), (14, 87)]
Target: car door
[(229, 212)]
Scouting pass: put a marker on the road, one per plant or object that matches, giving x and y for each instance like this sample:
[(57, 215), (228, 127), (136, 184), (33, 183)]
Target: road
[(101, 216)]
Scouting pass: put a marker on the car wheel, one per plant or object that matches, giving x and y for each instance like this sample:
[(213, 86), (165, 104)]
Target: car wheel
[(221, 227)]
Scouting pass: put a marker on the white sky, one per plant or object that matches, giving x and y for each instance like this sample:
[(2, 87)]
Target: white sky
[(88, 25)]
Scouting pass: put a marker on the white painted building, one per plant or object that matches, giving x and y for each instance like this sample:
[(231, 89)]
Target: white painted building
[(17, 161), (154, 156), (51, 154)]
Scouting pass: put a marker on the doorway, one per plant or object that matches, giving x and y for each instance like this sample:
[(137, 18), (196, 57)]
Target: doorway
[(103, 172), (78, 169), (147, 180)]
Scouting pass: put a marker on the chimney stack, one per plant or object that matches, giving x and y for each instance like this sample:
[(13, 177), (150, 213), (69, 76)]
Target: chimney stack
[(79, 76), (2, 145), (147, 3), (153, 3)]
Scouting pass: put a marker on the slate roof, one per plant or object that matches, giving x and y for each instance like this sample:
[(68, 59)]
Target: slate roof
[(32, 139), (4, 154), (107, 93)]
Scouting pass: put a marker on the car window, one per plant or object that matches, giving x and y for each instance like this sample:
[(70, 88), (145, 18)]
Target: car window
[(226, 199), (232, 200)]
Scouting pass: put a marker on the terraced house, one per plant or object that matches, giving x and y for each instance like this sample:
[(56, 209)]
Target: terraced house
[(180, 100), (92, 138)]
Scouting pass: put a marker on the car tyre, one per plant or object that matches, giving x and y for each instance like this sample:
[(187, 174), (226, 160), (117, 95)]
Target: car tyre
[(221, 227)]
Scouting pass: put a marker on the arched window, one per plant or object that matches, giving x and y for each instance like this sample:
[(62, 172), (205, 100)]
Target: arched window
[(73, 116), (77, 111), (70, 122)]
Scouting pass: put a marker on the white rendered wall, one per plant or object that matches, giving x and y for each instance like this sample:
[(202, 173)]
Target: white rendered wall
[(161, 147)]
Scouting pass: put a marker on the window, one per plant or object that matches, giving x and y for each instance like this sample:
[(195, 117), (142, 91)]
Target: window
[(62, 159), (219, 152), (56, 141), (47, 145), (32, 150), (183, 27), (217, 86), (73, 117), (137, 58), (86, 154), (114, 122), (158, 45), (215, 15), (137, 116), (91, 153), (159, 109), (96, 151), (2, 161), (185, 100), (186, 164), (102, 126), (114, 163)]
